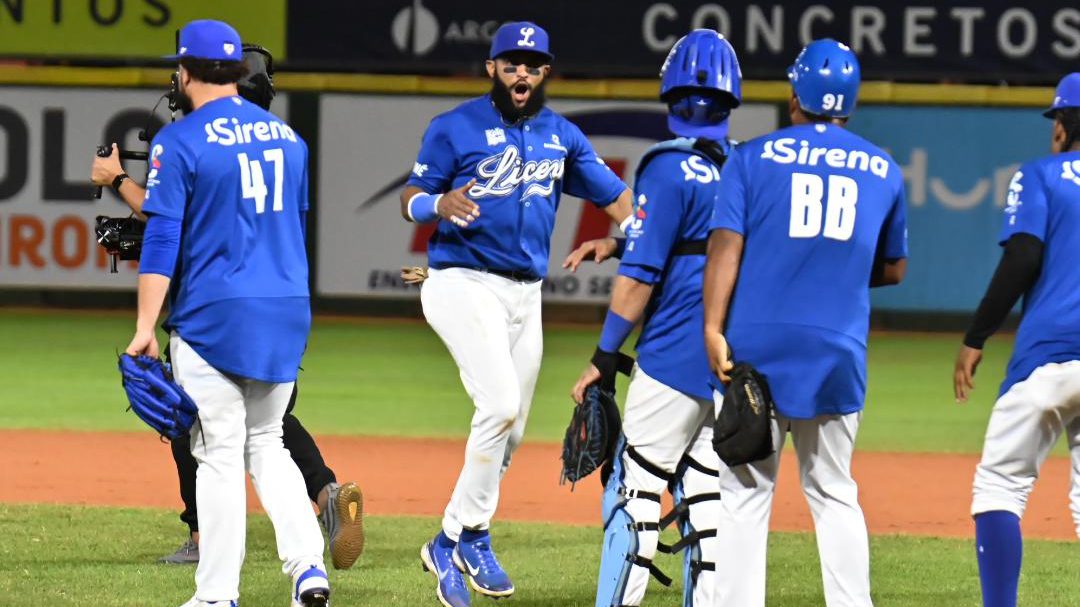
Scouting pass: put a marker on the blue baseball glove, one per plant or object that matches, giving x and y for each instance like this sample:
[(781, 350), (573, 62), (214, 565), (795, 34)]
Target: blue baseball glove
[(155, 397)]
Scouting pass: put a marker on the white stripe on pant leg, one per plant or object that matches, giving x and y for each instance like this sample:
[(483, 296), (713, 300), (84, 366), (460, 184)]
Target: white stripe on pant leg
[(277, 479), (743, 530), (465, 310), (217, 442), (825, 446)]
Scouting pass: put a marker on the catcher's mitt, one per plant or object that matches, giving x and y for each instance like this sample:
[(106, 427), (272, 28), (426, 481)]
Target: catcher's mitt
[(155, 397), (743, 430), (591, 436), (595, 427)]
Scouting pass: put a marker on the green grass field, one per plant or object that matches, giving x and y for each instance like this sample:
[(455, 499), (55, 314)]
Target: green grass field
[(362, 377), (105, 557)]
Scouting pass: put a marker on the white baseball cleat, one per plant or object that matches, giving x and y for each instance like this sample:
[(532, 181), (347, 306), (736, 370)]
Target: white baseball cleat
[(311, 588)]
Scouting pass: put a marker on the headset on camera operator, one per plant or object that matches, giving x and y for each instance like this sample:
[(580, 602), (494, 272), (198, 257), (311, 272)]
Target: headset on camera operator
[(257, 87)]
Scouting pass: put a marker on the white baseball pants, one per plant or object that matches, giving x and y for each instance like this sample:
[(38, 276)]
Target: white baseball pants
[(1026, 422), (491, 326), (824, 446), (662, 424), (239, 427), (1074, 453)]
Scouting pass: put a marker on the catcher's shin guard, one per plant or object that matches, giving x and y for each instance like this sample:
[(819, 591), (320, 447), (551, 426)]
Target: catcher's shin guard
[(697, 511), (631, 532)]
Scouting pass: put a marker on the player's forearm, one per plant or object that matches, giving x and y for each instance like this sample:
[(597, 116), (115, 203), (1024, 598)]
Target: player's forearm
[(133, 195), (629, 298), (721, 271), (1019, 268), (152, 291), (888, 272), (407, 195), (620, 210)]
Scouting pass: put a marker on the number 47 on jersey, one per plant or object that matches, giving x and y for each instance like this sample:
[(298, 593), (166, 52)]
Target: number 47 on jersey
[(252, 184)]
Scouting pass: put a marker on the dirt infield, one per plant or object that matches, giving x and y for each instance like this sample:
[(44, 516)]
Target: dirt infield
[(923, 494)]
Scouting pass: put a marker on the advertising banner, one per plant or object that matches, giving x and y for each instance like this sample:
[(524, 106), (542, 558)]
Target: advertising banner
[(957, 164), (368, 145), (47, 143), (143, 29), (978, 41)]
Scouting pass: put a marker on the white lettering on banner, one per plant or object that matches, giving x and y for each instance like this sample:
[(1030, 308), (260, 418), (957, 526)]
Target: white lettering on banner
[(504, 172), (920, 31), (782, 151), (220, 132)]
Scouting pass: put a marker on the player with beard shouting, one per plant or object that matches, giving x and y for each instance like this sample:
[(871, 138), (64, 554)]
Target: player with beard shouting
[(491, 172)]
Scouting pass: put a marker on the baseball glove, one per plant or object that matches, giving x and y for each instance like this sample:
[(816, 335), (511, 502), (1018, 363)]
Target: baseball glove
[(595, 426), (743, 430), (155, 397)]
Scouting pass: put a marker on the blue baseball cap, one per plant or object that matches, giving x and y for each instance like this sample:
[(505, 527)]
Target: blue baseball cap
[(209, 39), (520, 36), (1066, 95)]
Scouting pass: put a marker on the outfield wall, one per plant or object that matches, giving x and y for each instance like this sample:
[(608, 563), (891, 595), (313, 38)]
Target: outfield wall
[(958, 146)]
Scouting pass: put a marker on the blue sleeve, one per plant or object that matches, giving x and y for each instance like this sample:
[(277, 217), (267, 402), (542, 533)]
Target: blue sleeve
[(161, 246), (1026, 209), (305, 184), (586, 174), (170, 179), (657, 223), (729, 209), (436, 163), (896, 246)]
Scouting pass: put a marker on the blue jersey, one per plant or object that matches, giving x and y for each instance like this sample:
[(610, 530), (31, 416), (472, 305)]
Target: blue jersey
[(235, 176), (674, 198), (521, 171), (1044, 201), (815, 204)]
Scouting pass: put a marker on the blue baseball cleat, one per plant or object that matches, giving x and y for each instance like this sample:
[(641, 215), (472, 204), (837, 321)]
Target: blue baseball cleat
[(475, 558), (437, 557)]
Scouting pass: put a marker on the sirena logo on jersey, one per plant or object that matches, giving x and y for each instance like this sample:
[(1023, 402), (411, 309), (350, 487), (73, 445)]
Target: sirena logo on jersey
[(783, 151), (220, 132), (503, 173)]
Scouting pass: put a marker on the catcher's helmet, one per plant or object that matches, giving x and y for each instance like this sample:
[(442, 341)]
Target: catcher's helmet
[(258, 86), (701, 82), (825, 78), (1066, 95)]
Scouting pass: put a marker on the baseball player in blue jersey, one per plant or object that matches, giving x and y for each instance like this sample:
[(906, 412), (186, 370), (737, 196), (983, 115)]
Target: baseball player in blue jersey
[(491, 172), (1040, 397), (226, 203), (807, 219), (667, 425)]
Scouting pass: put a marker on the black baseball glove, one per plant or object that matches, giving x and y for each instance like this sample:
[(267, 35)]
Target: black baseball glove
[(595, 426), (743, 430)]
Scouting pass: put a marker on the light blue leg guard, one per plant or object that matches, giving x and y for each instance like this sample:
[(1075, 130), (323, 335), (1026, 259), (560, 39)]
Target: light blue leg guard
[(631, 531), (697, 504)]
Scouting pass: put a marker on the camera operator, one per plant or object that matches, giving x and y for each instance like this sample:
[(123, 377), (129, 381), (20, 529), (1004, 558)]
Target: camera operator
[(340, 506)]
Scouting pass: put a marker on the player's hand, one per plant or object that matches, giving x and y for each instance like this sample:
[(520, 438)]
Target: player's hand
[(967, 361), (716, 347), (589, 376), (456, 207), (598, 250), (104, 170), (144, 342)]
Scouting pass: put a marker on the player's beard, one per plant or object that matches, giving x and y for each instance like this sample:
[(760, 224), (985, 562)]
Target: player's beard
[(500, 95), (183, 101)]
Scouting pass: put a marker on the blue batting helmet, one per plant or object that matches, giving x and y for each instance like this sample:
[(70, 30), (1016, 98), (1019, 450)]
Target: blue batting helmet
[(825, 78), (701, 82), (1066, 95)]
